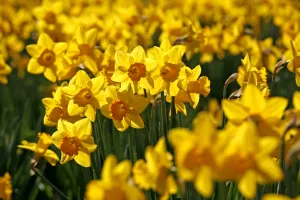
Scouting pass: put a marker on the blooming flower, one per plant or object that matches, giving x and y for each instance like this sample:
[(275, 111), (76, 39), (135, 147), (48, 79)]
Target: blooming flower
[(169, 70), (252, 105), (195, 153), (246, 159), (124, 108), (134, 70), (5, 187), (155, 172), (75, 141), (84, 94), (41, 148), (114, 183), (45, 56), (56, 108)]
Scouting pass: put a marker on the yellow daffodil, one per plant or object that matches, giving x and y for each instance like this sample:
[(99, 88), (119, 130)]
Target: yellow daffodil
[(124, 108), (82, 49), (4, 70), (57, 108), (191, 88), (267, 113), (249, 74), (5, 187), (278, 197), (195, 153), (169, 70), (134, 70), (114, 183), (107, 66), (75, 141), (84, 94), (41, 148), (155, 172), (294, 64), (246, 159), (44, 57)]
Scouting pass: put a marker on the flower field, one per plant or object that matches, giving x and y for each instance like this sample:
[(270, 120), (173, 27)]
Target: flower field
[(150, 99)]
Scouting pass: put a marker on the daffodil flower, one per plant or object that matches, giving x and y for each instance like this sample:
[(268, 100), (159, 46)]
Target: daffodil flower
[(75, 141), (5, 187), (124, 108), (41, 148), (134, 70), (114, 183), (84, 94), (169, 70), (44, 57), (267, 113), (155, 172)]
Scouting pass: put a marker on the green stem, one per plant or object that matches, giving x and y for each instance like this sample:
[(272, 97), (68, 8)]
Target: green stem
[(281, 185), (164, 117), (48, 182), (173, 114)]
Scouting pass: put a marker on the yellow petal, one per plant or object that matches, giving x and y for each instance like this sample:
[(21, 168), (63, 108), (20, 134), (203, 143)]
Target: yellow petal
[(253, 99), (45, 41), (83, 127), (270, 169), (83, 158), (32, 50), (97, 84), (91, 36), (50, 74), (159, 56), (108, 166), (138, 103), (122, 59), (82, 79), (196, 73), (247, 184), (74, 109), (123, 170), (90, 112), (90, 64), (57, 136), (151, 65), (88, 143), (121, 125), (65, 158), (296, 100), (51, 157), (204, 182), (275, 107), (34, 67), (165, 45), (234, 111), (66, 127), (60, 47), (138, 54), (136, 121)]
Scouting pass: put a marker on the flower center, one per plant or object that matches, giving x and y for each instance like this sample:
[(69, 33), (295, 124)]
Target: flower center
[(70, 145), (118, 109), (84, 97), (47, 58), (137, 71), (50, 18), (85, 49), (199, 87), (170, 72), (115, 192)]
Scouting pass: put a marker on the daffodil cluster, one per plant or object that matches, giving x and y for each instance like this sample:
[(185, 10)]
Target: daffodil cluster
[(131, 70)]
